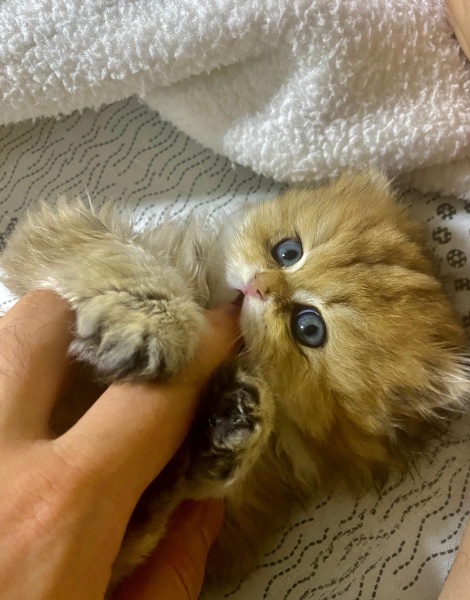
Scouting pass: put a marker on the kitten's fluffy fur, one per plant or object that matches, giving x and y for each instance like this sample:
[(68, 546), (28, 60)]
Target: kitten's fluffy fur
[(286, 418)]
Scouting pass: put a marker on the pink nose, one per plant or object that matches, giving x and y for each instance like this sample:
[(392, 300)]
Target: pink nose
[(266, 284), (253, 288)]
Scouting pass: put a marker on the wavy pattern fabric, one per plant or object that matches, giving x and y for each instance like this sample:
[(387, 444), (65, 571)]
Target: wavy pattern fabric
[(397, 545), (394, 545), (125, 152)]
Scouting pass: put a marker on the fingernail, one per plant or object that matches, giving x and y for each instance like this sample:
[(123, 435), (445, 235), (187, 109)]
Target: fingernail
[(211, 519)]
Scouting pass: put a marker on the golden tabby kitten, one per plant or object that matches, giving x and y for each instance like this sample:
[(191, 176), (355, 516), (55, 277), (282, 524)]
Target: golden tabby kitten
[(350, 350)]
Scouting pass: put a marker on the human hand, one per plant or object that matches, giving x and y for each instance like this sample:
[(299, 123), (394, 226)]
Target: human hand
[(175, 570), (457, 584), (458, 13), (66, 501)]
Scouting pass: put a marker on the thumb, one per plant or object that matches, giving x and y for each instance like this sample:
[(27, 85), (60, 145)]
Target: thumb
[(133, 429), (175, 570)]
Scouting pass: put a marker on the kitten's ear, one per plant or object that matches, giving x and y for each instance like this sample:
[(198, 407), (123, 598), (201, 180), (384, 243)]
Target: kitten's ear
[(372, 182), (379, 181)]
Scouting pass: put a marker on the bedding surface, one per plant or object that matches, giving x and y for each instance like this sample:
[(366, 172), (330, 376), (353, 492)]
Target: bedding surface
[(394, 545), (295, 89)]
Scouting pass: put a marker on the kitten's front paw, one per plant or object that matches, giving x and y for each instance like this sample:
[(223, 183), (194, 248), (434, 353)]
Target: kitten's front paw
[(131, 336), (229, 429)]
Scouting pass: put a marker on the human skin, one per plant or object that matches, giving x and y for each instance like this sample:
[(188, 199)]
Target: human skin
[(458, 13), (66, 501), (457, 584), (175, 570)]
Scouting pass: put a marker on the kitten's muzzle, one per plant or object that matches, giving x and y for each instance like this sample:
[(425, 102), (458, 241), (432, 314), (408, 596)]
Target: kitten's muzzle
[(264, 284)]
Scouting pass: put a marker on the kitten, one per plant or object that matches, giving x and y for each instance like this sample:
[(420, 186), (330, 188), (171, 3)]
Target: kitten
[(351, 349)]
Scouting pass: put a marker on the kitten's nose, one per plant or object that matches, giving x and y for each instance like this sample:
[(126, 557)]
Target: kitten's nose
[(262, 285)]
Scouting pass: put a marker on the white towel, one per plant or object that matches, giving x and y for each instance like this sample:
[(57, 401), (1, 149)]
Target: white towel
[(296, 89)]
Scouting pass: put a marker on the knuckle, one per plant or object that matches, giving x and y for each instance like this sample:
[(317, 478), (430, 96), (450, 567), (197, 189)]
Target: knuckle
[(187, 572)]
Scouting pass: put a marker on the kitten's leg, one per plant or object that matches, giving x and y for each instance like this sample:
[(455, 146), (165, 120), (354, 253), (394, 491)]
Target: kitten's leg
[(135, 313), (148, 523), (254, 512), (234, 456), (226, 440), (230, 431)]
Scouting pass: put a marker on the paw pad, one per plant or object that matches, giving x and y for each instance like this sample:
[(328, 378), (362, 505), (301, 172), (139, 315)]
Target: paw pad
[(130, 336)]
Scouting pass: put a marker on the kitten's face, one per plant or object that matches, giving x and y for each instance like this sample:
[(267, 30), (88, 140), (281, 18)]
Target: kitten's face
[(344, 317)]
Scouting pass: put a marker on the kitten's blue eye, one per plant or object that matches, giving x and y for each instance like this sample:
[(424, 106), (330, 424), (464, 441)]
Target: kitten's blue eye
[(287, 252), (308, 327)]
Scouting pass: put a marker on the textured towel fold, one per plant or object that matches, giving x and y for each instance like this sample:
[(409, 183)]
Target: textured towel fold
[(296, 89)]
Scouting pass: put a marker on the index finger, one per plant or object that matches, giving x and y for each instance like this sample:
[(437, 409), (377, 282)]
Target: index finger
[(133, 430), (34, 338)]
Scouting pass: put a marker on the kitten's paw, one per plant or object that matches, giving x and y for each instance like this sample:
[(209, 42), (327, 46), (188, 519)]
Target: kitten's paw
[(229, 429), (131, 336), (233, 429)]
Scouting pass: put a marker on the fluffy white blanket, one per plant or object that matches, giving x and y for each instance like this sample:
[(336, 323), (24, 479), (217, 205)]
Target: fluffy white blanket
[(296, 89)]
